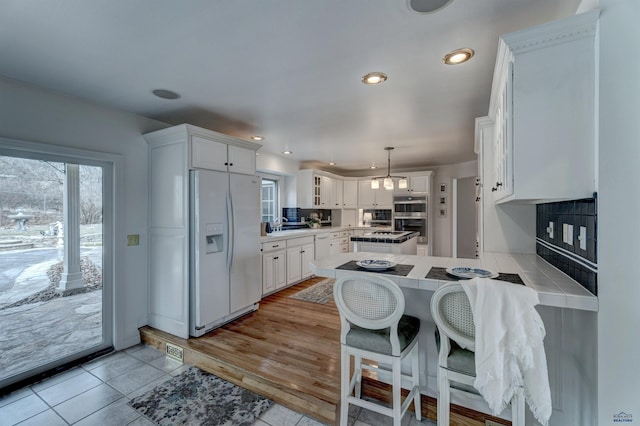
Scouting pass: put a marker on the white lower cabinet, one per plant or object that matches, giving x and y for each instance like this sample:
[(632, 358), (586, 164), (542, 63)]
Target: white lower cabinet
[(274, 257), (286, 262), (294, 265), (300, 253), (339, 242)]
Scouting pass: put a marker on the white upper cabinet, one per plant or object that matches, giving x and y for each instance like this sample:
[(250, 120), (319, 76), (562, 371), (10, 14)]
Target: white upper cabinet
[(326, 192), (337, 192), (350, 194), (373, 198), (415, 183), (543, 107), (212, 155), (314, 189), (241, 160)]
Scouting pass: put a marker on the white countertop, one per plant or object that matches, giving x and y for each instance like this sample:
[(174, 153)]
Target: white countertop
[(553, 286), (293, 233)]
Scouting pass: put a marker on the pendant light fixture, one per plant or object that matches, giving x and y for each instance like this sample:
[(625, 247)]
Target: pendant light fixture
[(387, 181)]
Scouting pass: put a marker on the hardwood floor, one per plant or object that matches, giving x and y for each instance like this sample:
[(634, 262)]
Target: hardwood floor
[(289, 351)]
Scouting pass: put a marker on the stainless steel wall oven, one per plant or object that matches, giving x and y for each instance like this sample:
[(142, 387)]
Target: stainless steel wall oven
[(410, 214)]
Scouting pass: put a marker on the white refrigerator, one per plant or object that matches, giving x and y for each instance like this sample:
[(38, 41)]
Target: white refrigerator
[(225, 279)]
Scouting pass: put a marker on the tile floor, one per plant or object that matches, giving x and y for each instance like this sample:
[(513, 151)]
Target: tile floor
[(97, 393)]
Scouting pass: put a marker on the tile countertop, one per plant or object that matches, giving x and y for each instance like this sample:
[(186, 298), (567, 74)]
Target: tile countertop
[(293, 233), (553, 286)]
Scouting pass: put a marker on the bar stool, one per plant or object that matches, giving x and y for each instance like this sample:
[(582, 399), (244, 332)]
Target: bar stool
[(455, 339), (374, 328)]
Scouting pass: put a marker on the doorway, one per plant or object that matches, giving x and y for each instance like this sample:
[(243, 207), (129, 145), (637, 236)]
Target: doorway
[(465, 233), (55, 304)]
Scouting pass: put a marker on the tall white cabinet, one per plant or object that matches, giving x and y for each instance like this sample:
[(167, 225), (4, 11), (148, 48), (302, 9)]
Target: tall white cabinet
[(172, 153)]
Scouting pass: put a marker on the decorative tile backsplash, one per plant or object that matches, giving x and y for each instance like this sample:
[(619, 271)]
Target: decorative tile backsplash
[(566, 238)]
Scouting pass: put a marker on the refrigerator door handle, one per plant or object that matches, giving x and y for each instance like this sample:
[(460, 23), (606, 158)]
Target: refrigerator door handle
[(231, 235)]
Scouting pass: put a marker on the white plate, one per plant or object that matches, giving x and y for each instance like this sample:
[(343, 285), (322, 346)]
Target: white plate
[(375, 265), (465, 272)]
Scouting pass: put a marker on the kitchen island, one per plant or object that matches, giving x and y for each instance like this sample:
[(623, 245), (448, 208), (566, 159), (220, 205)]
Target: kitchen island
[(569, 313), (394, 242)]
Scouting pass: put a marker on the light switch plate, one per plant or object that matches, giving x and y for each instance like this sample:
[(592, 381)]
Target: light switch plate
[(133, 240)]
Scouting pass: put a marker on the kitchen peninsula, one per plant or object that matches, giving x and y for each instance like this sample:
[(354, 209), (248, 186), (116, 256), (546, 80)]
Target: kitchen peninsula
[(567, 309), (394, 242)]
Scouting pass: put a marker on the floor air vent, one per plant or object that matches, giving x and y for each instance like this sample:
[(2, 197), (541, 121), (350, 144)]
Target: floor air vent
[(175, 352)]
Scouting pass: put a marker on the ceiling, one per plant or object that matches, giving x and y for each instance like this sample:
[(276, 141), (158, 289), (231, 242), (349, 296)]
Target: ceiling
[(289, 70)]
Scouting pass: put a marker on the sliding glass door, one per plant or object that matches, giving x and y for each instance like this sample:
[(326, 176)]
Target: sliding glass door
[(55, 303)]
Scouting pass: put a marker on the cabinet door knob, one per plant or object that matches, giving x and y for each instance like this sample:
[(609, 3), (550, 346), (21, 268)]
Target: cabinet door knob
[(226, 164), (231, 164)]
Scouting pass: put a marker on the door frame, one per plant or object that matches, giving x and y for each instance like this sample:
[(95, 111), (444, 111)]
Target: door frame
[(113, 307)]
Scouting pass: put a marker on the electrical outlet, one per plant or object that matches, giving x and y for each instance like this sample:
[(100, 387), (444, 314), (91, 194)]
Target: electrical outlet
[(582, 237), (175, 352), (133, 240), (492, 423)]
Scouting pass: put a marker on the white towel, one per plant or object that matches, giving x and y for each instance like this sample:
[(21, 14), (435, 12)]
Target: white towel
[(509, 345)]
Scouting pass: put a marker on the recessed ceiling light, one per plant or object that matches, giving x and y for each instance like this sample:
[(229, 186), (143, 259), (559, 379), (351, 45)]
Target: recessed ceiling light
[(331, 163), (165, 94), (257, 138), (427, 6), (287, 152), (458, 56), (374, 78)]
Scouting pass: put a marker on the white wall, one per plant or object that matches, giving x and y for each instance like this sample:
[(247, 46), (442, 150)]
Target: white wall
[(442, 227), (619, 212), (34, 115)]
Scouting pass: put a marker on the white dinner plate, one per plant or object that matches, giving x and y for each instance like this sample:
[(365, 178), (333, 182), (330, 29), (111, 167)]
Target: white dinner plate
[(465, 272), (375, 265)]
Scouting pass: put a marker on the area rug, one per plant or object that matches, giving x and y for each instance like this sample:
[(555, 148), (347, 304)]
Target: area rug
[(320, 292), (196, 397)]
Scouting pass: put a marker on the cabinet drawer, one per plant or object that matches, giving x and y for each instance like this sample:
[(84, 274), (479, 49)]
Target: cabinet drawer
[(295, 242), (276, 245)]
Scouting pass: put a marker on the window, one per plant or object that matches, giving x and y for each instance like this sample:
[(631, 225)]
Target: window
[(269, 199)]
